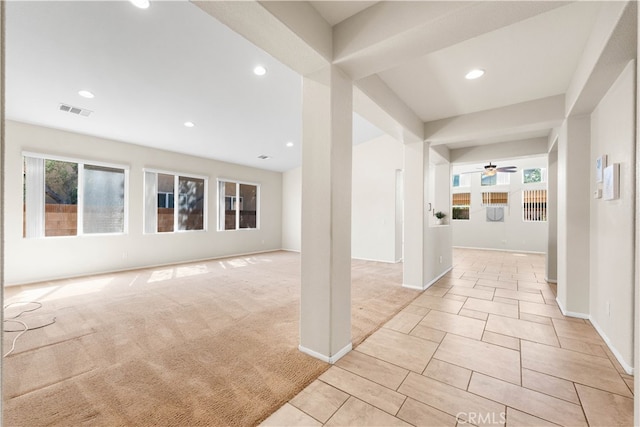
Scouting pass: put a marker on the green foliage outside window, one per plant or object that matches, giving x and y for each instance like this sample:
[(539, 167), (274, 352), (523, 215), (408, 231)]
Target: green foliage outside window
[(530, 176)]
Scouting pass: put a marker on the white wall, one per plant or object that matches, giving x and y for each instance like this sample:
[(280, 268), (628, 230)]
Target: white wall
[(513, 234), (291, 209), (373, 214), (438, 254), (29, 260), (612, 222), (373, 206)]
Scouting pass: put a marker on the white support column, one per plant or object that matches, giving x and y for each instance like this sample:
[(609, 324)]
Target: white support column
[(414, 200), (325, 308), (636, 323), (552, 217), (573, 216)]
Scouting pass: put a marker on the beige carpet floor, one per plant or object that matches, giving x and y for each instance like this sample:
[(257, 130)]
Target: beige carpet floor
[(207, 343)]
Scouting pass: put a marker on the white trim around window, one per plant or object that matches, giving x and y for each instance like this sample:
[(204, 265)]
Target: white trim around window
[(35, 195), (221, 203), (150, 200)]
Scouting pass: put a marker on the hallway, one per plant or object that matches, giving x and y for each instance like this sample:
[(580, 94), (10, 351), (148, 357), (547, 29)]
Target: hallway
[(485, 345)]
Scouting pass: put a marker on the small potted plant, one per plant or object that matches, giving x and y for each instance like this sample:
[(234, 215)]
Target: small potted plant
[(440, 216)]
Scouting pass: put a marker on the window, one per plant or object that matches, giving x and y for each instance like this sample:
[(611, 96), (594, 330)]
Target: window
[(64, 197), (534, 205), (103, 200), (460, 204), (238, 204), (162, 189), (495, 198), (498, 178), (530, 176), (461, 181)]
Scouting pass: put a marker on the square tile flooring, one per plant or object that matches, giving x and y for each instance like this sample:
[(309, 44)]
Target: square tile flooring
[(485, 345)]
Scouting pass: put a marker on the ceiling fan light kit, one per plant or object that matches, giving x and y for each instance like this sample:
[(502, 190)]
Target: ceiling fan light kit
[(491, 169)]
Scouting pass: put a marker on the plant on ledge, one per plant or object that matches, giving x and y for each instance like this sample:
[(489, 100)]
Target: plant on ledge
[(440, 214)]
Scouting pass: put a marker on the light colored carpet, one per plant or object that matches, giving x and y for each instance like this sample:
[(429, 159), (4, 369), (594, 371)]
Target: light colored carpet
[(208, 343)]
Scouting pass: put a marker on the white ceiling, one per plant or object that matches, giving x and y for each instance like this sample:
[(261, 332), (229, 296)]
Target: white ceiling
[(335, 12), (531, 59), (152, 70)]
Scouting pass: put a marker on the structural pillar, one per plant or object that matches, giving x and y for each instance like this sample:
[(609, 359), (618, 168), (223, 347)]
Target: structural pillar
[(573, 222), (325, 306), (552, 216), (416, 166)]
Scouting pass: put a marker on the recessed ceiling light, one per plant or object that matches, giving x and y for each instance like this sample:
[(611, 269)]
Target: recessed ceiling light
[(289, 144), (474, 74), (189, 124), (141, 4), (86, 94), (260, 70)]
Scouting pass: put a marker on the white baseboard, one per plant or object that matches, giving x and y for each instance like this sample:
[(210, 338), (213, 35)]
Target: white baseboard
[(328, 359), (571, 313), (628, 369), (417, 288), (290, 250), (386, 261), (138, 267), (515, 251), (438, 278), (550, 280), (425, 287)]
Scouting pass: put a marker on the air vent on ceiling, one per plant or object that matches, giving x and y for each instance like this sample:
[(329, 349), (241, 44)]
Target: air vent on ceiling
[(263, 157), (75, 110)]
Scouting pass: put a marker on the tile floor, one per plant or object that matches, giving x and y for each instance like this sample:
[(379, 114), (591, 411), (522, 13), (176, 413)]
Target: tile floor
[(485, 345)]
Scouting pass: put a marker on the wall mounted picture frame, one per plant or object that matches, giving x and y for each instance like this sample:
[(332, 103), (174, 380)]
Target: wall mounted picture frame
[(611, 184), (601, 163)]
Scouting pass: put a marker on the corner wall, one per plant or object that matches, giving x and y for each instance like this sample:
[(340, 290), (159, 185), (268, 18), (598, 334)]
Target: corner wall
[(373, 205), (612, 222), (31, 260)]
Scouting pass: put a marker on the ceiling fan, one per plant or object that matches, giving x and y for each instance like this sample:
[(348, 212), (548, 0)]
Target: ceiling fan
[(491, 169)]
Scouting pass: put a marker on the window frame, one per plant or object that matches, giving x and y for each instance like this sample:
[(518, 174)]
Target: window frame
[(487, 202), (461, 181), (544, 207), (176, 201), (467, 207), (80, 190), (543, 176), (221, 218), (497, 176)]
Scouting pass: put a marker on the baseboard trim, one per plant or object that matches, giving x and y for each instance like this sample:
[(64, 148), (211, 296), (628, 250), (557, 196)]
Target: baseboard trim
[(417, 288), (438, 278), (139, 267), (428, 285), (328, 359), (628, 369), (375, 260), (571, 313), (515, 251), (550, 280), (290, 250)]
